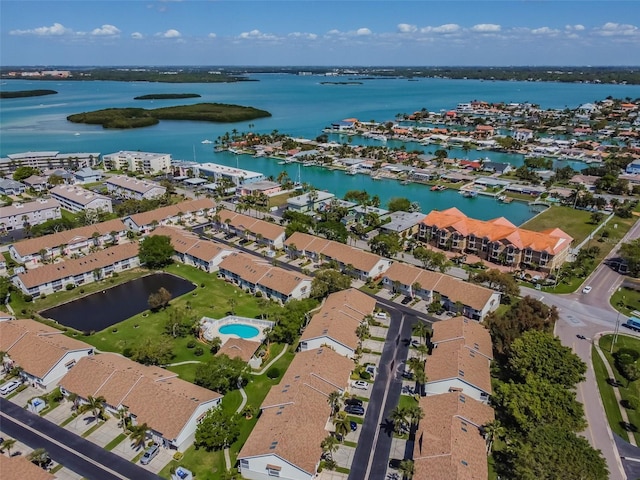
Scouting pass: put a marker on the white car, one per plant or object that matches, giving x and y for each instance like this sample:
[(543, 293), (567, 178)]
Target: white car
[(9, 387), (586, 289), (361, 384)]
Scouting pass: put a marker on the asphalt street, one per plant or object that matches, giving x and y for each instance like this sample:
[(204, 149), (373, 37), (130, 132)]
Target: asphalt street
[(74, 452)]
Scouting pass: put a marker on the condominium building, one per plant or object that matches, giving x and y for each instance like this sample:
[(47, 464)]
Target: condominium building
[(17, 215), (52, 159), (76, 199), (143, 162), (129, 187)]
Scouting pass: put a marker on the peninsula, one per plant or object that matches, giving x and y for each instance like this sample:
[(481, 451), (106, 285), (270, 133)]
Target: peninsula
[(167, 96), (27, 93), (141, 117)]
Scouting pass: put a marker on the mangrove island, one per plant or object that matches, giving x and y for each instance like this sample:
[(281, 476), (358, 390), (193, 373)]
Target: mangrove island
[(27, 93), (167, 96)]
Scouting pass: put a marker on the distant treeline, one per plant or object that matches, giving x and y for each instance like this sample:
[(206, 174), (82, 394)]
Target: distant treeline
[(27, 93), (167, 96), (140, 117)]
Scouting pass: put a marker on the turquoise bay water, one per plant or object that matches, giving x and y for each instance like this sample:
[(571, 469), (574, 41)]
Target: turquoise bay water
[(300, 106), (239, 329)]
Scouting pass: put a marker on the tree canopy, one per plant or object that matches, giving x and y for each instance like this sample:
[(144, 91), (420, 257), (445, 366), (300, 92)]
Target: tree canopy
[(386, 244), (399, 204), (222, 374), (24, 172), (431, 260), (497, 280), (328, 281), (289, 320), (217, 430), (630, 253), (153, 352), (156, 251)]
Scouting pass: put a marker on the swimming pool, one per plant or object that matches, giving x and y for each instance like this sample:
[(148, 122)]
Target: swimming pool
[(240, 329)]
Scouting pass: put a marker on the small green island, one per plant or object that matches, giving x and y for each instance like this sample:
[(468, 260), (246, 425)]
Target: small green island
[(167, 96), (142, 117), (340, 83), (27, 93)]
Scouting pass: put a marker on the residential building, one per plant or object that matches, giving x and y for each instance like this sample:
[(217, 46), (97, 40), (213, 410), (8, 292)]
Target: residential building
[(191, 250), (67, 242), (236, 176), (130, 187), (266, 187), (450, 440), (88, 175), (19, 466), (404, 224), (309, 202), (141, 162), (11, 187), (45, 354), (267, 233), (17, 215), (257, 275), (37, 183), (336, 323), (171, 407), (463, 332), (286, 440), (78, 271), (187, 211), (43, 160), (633, 167), (497, 241), (472, 301), (77, 199), (353, 261)]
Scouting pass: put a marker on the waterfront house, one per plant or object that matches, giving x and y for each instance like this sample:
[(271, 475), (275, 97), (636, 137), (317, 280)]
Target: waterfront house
[(87, 175), (142, 162), (497, 240), (18, 215), (335, 324), (11, 187), (309, 202), (42, 160), (169, 406), (496, 167), (472, 301), (523, 135), (263, 232), (45, 354), (404, 224), (345, 125), (129, 187), (285, 441), (266, 187), (351, 260), (450, 440), (77, 271), (191, 250), (77, 199), (67, 242), (236, 176), (255, 275), (187, 211)]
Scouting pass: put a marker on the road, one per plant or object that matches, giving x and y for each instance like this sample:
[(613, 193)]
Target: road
[(74, 452)]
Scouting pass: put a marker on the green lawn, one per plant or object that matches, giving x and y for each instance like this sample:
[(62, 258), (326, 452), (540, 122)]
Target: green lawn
[(628, 299), (631, 390), (407, 401), (611, 407)]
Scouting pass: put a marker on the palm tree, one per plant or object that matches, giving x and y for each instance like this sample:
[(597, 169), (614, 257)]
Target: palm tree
[(399, 418), (123, 415), (73, 398), (95, 405), (334, 402), (329, 446), (414, 414), (139, 434), (40, 457), (342, 424), (8, 445), (493, 430), (362, 332), (422, 330), (406, 469)]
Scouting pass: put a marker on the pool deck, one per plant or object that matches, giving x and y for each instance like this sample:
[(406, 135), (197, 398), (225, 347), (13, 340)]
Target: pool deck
[(211, 327)]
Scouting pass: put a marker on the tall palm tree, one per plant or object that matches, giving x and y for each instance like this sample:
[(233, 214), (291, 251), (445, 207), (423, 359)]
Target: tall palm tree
[(421, 330), (414, 414), (407, 469), (342, 424), (139, 434), (399, 418), (334, 402), (95, 405), (493, 430), (362, 332), (329, 446), (8, 445), (123, 415)]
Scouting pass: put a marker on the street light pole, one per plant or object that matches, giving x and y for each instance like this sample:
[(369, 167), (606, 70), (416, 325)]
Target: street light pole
[(617, 329)]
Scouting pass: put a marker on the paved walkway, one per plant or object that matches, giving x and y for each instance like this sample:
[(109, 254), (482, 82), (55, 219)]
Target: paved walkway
[(264, 369)]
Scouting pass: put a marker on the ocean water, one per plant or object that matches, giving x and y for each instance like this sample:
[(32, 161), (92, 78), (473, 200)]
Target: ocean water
[(300, 106)]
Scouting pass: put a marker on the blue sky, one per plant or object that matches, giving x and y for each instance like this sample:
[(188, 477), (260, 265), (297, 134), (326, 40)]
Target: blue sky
[(304, 32)]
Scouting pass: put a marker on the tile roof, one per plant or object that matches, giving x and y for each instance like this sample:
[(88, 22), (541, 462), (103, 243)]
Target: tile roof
[(239, 348), (67, 237), (299, 404), (450, 360), (345, 254), (20, 467), (36, 347), (159, 214), (133, 184), (260, 272), (455, 289), (188, 243), (77, 266), (77, 194), (339, 317), (154, 395), (474, 334), (449, 444), (552, 241), (18, 208), (268, 230)]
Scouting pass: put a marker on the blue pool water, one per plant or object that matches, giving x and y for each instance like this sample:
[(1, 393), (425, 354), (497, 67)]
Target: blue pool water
[(239, 329)]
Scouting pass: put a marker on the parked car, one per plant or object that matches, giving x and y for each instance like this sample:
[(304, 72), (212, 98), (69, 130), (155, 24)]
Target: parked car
[(9, 387), (372, 370), (587, 289), (353, 401), (150, 454), (354, 426), (361, 384), (353, 410), (394, 463), (380, 315)]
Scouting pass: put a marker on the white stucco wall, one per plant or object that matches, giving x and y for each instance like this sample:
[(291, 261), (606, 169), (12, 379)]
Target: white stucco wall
[(258, 469), (443, 386)]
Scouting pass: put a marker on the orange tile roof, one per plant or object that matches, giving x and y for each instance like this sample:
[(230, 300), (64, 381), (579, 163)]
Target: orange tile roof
[(159, 214), (154, 395), (449, 444), (299, 404), (449, 360), (552, 241), (36, 347), (68, 237), (20, 467), (475, 335), (339, 317)]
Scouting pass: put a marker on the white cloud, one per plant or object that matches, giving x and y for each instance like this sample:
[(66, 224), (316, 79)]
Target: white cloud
[(212, 35), (486, 28), (334, 32), (304, 35), (106, 30), (446, 28), (406, 28), (363, 31), (617, 29), (577, 27), (171, 33), (54, 30), (544, 31), (136, 35), (258, 35)]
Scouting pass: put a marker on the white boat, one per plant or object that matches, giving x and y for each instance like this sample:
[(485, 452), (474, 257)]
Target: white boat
[(206, 141)]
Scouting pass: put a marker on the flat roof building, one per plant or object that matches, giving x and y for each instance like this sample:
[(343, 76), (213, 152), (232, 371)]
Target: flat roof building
[(143, 162), (17, 215), (129, 187), (77, 199), (237, 175)]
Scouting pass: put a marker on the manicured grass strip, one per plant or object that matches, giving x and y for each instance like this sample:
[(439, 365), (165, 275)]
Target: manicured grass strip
[(48, 409), (342, 470), (17, 391), (611, 407), (137, 458), (407, 401), (379, 339), (92, 429), (115, 442), (349, 444), (56, 469), (68, 421), (358, 420)]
